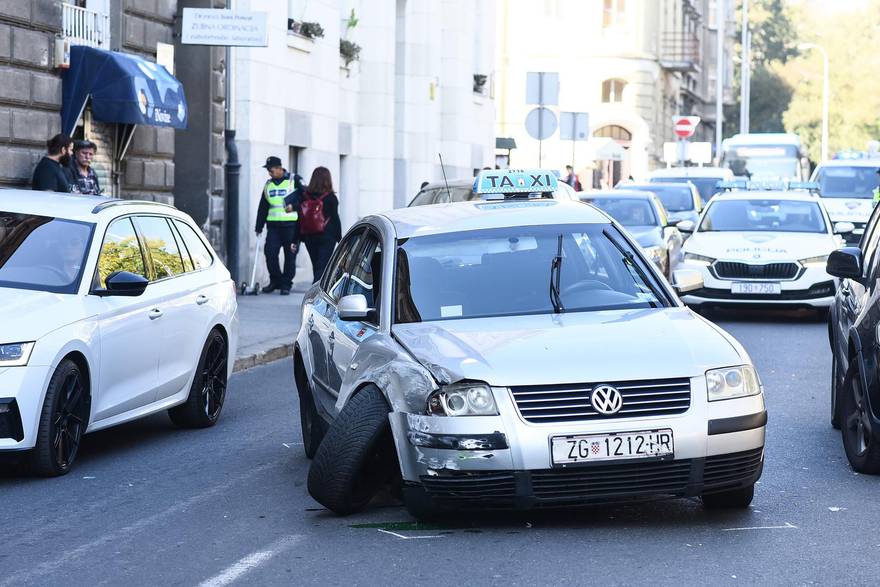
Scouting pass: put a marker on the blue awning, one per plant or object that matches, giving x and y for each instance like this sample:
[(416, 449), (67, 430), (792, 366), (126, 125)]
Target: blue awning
[(124, 88)]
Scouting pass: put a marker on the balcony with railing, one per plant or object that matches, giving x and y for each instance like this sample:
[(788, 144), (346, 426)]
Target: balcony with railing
[(85, 27), (680, 51)]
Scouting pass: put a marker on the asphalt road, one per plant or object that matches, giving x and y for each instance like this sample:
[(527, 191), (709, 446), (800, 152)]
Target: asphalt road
[(152, 505)]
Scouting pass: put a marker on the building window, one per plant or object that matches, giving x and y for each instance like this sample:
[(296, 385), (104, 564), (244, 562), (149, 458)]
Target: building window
[(612, 131), (612, 90), (614, 13)]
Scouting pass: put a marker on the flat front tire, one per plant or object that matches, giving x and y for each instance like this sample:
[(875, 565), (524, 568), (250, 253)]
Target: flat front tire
[(313, 426), (356, 457)]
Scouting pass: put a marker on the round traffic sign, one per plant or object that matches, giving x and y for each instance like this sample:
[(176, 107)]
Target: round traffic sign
[(683, 128), (541, 123)]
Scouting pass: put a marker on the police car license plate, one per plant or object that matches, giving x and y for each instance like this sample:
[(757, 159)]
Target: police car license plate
[(756, 288), (606, 447)]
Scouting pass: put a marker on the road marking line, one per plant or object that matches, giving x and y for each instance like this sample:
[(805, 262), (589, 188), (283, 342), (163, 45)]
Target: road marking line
[(402, 537), (250, 562), (786, 527)]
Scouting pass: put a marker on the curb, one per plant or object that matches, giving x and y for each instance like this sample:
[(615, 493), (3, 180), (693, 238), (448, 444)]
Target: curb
[(261, 358)]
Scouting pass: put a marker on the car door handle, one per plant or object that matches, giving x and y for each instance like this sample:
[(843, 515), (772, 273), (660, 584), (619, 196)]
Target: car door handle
[(202, 299), (155, 313)]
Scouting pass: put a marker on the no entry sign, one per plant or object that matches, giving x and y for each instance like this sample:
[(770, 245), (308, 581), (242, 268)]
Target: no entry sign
[(685, 126)]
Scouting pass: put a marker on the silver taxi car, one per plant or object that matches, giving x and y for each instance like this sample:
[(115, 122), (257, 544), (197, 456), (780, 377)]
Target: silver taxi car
[(515, 353)]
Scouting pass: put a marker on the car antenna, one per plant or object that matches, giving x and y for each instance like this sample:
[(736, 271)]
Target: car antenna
[(443, 169)]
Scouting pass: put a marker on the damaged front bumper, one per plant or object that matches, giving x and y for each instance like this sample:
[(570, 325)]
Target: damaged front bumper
[(502, 462)]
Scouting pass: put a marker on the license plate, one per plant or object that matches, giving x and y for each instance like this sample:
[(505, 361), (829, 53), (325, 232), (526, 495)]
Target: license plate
[(756, 288), (607, 447)]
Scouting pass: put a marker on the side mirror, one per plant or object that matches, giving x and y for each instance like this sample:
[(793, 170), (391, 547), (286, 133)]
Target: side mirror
[(672, 223), (844, 227), (845, 263), (353, 308), (686, 280), (124, 283), (686, 225)]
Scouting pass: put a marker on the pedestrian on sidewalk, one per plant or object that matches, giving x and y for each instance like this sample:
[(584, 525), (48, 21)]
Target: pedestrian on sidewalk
[(320, 227), (282, 227), (85, 180), (571, 179), (52, 173)]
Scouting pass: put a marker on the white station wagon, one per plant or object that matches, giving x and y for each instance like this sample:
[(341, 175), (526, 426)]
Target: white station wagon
[(514, 353), (110, 310)]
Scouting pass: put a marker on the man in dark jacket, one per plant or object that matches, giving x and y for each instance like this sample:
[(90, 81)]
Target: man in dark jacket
[(85, 181), (280, 218), (52, 173)]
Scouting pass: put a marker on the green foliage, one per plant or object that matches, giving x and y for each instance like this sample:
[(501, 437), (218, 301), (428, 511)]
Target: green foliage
[(352, 20), (770, 98), (311, 30), (774, 37), (122, 255), (349, 50)]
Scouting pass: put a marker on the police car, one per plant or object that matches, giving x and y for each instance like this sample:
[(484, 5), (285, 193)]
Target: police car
[(517, 352), (847, 188), (763, 246)]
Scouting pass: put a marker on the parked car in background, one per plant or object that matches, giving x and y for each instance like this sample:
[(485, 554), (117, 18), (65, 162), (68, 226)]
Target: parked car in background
[(682, 201), (705, 178), (111, 310), (847, 187), (763, 248), (462, 190), (642, 214), (853, 323), (521, 353)]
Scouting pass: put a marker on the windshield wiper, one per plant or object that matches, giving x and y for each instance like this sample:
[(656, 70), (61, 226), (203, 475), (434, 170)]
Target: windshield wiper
[(555, 275)]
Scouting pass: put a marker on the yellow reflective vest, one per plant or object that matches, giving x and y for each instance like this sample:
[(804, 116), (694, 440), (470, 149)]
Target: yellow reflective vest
[(275, 194)]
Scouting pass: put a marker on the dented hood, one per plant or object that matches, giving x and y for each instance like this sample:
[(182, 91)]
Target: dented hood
[(614, 345)]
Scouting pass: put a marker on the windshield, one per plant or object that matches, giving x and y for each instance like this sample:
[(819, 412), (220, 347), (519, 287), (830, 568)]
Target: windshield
[(847, 182), (707, 186), (42, 253), (763, 215), (628, 211), (763, 162), (441, 195), (507, 272), (674, 198)]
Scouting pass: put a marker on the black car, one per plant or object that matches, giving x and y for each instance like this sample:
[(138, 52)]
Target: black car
[(854, 318)]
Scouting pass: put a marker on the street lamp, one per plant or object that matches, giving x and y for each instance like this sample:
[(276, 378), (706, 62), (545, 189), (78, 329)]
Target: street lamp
[(805, 47)]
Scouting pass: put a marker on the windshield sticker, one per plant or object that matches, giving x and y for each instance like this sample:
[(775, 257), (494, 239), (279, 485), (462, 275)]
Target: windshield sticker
[(450, 311)]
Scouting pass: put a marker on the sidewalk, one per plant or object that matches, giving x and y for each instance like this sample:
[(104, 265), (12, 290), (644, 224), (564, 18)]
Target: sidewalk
[(267, 325)]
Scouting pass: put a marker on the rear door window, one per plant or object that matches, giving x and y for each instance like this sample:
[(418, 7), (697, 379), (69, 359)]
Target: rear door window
[(198, 251), (161, 246)]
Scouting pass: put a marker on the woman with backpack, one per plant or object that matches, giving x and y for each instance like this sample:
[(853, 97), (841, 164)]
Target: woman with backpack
[(319, 225)]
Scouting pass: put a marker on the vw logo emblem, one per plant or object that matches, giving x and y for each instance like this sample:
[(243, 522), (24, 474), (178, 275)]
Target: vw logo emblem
[(606, 400)]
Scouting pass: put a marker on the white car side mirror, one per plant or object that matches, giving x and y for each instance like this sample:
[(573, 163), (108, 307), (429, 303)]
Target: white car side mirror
[(353, 308), (686, 280), (844, 227), (686, 226)]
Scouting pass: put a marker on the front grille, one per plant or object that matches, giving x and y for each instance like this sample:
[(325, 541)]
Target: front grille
[(612, 481), (491, 486), (542, 404), (734, 270), (730, 469)]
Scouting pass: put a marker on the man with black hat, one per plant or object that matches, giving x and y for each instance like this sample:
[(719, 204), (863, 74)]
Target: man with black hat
[(282, 226)]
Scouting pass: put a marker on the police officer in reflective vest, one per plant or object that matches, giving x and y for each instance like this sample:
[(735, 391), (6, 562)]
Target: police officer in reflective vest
[(282, 226), (876, 192)]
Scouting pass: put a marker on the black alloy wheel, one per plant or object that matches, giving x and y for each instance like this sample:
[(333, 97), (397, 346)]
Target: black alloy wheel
[(859, 442), (208, 391), (63, 421)]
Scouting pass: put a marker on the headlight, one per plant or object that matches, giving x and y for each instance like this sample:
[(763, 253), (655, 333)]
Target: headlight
[(655, 253), (815, 261), (732, 382), (463, 399), (698, 259), (15, 354)]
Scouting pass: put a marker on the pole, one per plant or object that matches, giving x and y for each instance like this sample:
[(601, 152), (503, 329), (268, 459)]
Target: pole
[(825, 98), (719, 79), (232, 175), (540, 116), (745, 70), (573, 139)]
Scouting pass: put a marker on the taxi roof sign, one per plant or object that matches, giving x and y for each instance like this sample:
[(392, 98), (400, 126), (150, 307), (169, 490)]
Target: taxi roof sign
[(501, 182)]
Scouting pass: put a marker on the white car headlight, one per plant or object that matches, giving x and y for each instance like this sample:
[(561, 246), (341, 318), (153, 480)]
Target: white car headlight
[(655, 253), (698, 259), (815, 261), (15, 354), (463, 399), (732, 382)]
